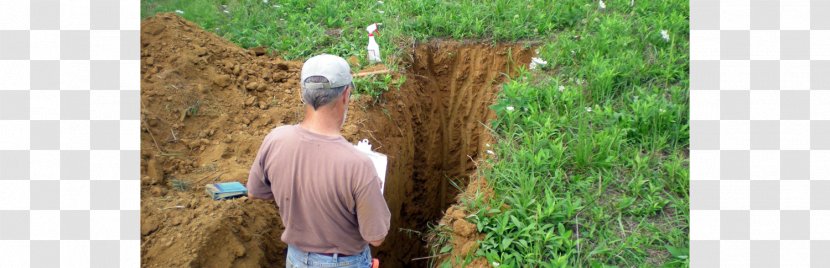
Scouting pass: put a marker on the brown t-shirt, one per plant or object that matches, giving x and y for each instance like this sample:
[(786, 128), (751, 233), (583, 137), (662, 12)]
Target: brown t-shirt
[(328, 193)]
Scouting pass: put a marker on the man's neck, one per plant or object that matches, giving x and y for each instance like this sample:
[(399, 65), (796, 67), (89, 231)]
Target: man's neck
[(321, 123)]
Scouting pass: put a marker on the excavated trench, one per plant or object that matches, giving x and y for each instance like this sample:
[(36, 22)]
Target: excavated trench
[(206, 104), (435, 128)]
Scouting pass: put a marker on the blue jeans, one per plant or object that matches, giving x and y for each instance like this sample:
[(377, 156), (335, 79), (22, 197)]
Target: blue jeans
[(300, 259)]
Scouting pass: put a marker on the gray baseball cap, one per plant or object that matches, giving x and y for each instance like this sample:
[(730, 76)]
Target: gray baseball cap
[(333, 68)]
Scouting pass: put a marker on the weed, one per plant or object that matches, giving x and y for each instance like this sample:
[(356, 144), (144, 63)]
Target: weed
[(193, 109), (410, 232), (370, 85), (180, 185), (211, 167)]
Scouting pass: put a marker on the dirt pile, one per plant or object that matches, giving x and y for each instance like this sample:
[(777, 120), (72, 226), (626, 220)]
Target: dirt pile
[(207, 104)]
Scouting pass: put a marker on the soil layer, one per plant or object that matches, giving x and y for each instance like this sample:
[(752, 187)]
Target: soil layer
[(206, 105)]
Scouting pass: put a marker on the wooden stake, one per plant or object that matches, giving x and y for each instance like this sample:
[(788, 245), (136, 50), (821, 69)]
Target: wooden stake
[(371, 73)]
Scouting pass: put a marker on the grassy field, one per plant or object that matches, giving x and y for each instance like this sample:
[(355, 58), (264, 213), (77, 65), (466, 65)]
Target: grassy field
[(591, 164)]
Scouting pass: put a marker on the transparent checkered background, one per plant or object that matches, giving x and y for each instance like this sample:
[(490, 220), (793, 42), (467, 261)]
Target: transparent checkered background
[(760, 133), (69, 133)]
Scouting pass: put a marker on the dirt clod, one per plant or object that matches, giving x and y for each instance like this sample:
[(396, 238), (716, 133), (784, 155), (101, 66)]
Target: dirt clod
[(468, 248), (148, 227), (155, 173), (249, 101), (252, 86), (463, 228), (259, 51)]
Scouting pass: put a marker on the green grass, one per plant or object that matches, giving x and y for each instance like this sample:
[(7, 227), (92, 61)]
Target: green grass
[(590, 167), (298, 29), (606, 154)]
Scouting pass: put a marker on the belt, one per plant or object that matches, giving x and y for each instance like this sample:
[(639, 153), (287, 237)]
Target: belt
[(332, 254)]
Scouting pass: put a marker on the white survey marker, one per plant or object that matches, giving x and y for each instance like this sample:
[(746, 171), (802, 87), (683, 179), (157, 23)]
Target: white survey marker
[(378, 159)]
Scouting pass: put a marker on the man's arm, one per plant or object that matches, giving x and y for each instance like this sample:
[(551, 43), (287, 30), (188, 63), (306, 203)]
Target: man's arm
[(257, 188), (372, 213)]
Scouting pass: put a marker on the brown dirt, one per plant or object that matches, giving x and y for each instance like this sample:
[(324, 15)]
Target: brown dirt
[(463, 236), (207, 104)]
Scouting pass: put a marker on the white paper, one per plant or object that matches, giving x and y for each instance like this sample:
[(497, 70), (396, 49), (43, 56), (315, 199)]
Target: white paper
[(378, 159)]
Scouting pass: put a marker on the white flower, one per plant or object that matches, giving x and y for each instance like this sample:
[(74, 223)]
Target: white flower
[(380, 11), (380, 2), (490, 152), (601, 5), (665, 35), (588, 109), (487, 144), (496, 264), (265, 1), (510, 108), (179, 11), (561, 88), (662, 110)]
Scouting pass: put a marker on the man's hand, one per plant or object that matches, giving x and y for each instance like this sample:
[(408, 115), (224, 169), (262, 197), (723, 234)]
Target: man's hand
[(376, 243)]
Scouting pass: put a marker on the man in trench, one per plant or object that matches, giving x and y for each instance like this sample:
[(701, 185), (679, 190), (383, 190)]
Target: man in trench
[(328, 193)]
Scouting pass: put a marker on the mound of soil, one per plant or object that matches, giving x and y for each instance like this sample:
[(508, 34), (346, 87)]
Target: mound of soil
[(207, 104)]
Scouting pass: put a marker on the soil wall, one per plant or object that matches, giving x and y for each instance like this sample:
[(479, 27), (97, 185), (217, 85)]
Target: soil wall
[(440, 118)]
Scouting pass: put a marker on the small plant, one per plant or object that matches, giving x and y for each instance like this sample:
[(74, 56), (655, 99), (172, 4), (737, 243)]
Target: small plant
[(410, 232), (370, 86), (194, 108), (375, 86), (179, 185), (438, 237), (680, 257)]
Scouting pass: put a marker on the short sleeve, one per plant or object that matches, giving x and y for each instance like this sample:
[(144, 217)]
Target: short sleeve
[(372, 212)]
